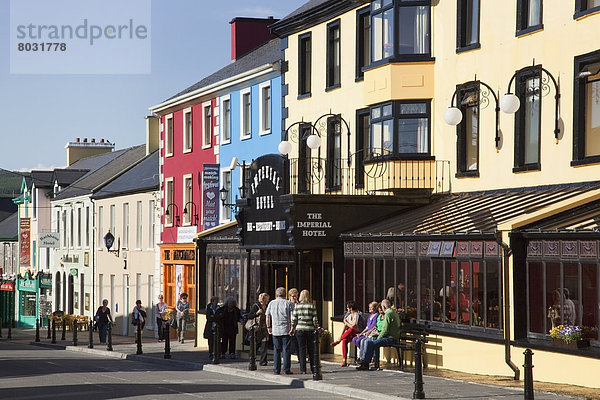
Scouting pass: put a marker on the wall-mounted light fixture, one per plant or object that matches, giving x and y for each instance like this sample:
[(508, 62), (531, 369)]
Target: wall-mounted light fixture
[(193, 211), (168, 213), (109, 240)]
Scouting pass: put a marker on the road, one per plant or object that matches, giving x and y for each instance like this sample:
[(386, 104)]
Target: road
[(30, 372)]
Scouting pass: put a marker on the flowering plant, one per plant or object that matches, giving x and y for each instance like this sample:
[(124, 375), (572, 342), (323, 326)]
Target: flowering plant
[(401, 313), (568, 333)]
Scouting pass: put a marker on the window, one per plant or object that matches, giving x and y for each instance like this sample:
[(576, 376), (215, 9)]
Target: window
[(169, 209), (126, 225), (363, 41), (529, 16), (139, 223), (207, 125), (187, 135), (152, 224), (245, 113), (226, 120), (304, 64), (584, 7), (187, 198), (467, 35), (334, 153), (333, 55), (87, 226), (71, 228), (305, 162), (64, 226), (467, 151), (79, 227), (101, 232), (400, 128), (527, 120), (169, 137), (586, 109), (363, 140), (400, 30), (226, 176), (112, 219), (265, 108)]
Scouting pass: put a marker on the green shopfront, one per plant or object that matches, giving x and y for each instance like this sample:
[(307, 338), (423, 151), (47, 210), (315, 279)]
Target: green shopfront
[(30, 303)]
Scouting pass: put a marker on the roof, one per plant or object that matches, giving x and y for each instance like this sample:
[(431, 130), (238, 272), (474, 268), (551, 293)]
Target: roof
[(64, 177), (123, 160), (42, 179), (472, 212), (9, 228), (267, 53), (141, 177), (585, 218)]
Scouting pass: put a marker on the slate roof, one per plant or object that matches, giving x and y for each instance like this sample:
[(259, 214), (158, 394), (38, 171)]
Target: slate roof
[(140, 178), (122, 161), (42, 179), (304, 8), (65, 176), (9, 227), (266, 53), (7, 207)]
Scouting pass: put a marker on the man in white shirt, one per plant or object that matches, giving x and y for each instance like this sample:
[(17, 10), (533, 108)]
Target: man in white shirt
[(279, 318)]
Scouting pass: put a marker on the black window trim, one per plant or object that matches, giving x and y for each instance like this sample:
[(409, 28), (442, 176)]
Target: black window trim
[(579, 108), (360, 14), (461, 133), (333, 85), (519, 163), (581, 9), (460, 27), (301, 83), (361, 147), (522, 15)]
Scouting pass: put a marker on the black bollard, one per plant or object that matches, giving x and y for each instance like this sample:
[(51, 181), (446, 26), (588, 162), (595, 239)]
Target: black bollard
[(53, 332), (316, 361), (64, 330), (166, 336), (139, 340), (75, 332), (37, 330), (528, 366), (109, 341), (216, 345), (252, 364), (418, 393), (49, 333), (91, 344), (10, 323)]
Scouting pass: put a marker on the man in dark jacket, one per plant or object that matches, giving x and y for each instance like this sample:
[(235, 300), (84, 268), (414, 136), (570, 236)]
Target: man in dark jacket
[(214, 318)]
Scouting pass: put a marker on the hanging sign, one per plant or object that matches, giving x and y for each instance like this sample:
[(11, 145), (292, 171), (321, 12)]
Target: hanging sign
[(25, 242), (210, 195)]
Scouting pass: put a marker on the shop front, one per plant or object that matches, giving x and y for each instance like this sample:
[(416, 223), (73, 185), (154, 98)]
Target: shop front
[(28, 287), (7, 301)]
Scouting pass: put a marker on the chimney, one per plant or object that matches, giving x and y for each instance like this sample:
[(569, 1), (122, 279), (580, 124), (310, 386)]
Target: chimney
[(77, 150), (249, 33), (152, 134)]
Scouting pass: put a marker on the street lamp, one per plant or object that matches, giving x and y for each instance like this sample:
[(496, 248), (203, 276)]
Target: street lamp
[(167, 213), (194, 211)]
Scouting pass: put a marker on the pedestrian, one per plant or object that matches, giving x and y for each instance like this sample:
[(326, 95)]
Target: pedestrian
[(293, 298), (259, 310), (279, 317), (214, 317), (139, 318), (304, 325), (351, 329), (183, 311), (161, 323), (231, 317), (103, 318), (389, 334)]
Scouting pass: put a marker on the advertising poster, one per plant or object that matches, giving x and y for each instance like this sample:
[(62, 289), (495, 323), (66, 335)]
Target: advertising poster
[(210, 195), (25, 241)]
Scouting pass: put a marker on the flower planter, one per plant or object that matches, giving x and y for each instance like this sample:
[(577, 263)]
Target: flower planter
[(579, 344)]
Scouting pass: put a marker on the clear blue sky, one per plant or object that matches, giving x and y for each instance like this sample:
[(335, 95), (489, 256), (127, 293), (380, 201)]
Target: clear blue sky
[(190, 40)]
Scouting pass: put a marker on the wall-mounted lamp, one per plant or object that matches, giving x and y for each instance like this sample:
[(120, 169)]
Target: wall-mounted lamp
[(168, 213), (109, 240), (224, 196), (194, 211)]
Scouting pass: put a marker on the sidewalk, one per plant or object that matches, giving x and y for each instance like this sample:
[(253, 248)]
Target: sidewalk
[(372, 385)]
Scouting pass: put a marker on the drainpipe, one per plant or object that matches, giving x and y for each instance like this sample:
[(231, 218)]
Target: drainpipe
[(506, 252)]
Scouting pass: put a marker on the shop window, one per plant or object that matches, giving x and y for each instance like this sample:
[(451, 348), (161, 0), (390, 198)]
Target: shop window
[(226, 277), (586, 109), (529, 16), (467, 150), (304, 65), (334, 53), (467, 24), (584, 7), (528, 120), (363, 41)]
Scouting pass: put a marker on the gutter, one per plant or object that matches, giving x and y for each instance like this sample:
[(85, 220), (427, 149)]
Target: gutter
[(506, 252)]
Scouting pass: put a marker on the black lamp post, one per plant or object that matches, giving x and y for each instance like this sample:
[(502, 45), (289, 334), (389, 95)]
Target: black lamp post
[(194, 212), (167, 212)]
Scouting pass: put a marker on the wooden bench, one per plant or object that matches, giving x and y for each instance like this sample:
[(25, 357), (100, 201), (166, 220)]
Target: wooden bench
[(410, 332)]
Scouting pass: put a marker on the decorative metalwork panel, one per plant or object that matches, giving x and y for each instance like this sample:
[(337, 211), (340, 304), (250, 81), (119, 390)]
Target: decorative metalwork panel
[(534, 248), (388, 249), (411, 248), (477, 249), (348, 248), (358, 248), (569, 248), (491, 249), (434, 249), (447, 249), (424, 248), (462, 249), (588, 249), (368, 248), (399, 248), (551, 248), (378, 248)]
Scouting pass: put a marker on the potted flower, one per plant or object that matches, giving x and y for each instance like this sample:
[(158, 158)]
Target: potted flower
[(568, 336)]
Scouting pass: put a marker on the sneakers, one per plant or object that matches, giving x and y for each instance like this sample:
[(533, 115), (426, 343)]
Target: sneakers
[(363, 367), (263, 363)]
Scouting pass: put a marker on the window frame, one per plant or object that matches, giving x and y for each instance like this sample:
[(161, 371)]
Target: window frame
[(139, 225), (226, 182), (523, 27), (333, 46), (333, 172), (126, 219), (582, 9), (463, 23), (187, 196), (169, 199), (225, 116), (462, 130), (363, 137), (245, 114), (264, 129), (188, 131), (207, 119), (304, 65), (363, 47), (579, 110), (169, 136), (521, 78)]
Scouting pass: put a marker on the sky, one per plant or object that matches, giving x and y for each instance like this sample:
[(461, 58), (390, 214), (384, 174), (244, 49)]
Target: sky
[(189, 40)]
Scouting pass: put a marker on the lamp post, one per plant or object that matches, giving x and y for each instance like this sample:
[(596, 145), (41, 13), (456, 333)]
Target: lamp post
[(193, 211), (168, 213)]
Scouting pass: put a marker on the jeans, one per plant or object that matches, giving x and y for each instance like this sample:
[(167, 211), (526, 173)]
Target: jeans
[(373, 345), (306, 338), (181, 327), (281, 344), (102, 329)]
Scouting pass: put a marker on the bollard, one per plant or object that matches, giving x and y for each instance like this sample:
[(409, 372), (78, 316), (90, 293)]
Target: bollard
[(316, 361), (53, 332), (139, 340), (252, 364), (10, 323), (528, 366), (49, 333), (1, 323), (109, 341), (75, 332), (166, 336), (418, 393), (64, 330), (37, 330), (91, 345), (216, 345)]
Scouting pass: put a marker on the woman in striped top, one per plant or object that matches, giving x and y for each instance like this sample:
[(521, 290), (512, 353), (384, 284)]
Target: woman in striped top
[(304, 324)]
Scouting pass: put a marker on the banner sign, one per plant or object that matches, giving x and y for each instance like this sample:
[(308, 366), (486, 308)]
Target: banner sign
[(45, 280), (7, 286), (25, 242), (210, 195)]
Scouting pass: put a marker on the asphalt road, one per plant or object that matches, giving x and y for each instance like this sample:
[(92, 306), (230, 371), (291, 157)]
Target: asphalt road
[(29, 372)]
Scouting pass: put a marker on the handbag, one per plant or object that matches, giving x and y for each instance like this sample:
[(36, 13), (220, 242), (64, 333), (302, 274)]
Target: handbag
[(252, 323)]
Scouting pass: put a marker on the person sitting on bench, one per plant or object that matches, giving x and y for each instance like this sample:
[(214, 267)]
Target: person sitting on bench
[(389, 334)]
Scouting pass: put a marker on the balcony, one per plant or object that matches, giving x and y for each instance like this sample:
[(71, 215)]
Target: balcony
[(376, 177)]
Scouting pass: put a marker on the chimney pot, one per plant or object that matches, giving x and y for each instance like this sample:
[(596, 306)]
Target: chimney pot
[(77, 140), (84, 140), (101, 140), (93, 140)]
